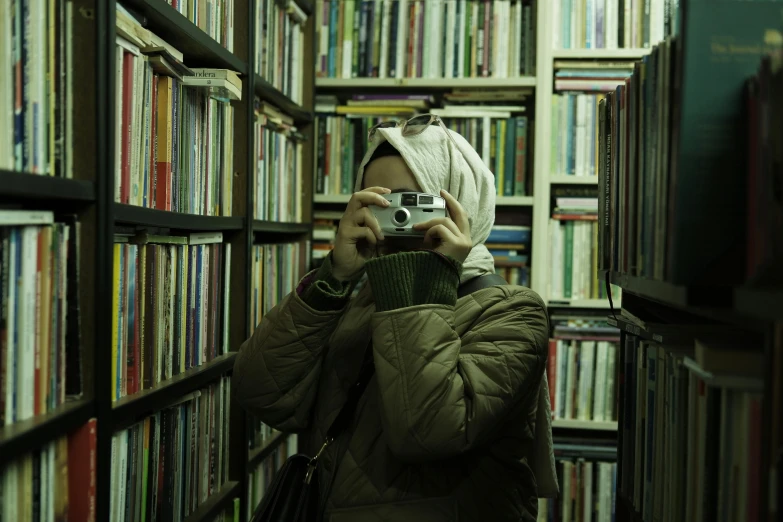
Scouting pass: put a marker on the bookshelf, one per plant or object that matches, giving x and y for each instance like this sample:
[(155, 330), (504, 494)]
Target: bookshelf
[(569, 424), (90, 195), (424, 83), (573, 180), (701, 352), (599, 54)]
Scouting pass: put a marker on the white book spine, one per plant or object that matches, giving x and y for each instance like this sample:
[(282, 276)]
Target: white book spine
[(611, 395), (402, 32), (463, 20), (26, 326), (581, 133), (587, 478), (12, 248), (599, 396), (560, 378), (226, 290)]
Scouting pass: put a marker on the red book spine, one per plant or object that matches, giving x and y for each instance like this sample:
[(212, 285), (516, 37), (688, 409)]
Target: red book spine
[(153, 181), (137, 324), (551, 371), (81, 473), (487, 47)]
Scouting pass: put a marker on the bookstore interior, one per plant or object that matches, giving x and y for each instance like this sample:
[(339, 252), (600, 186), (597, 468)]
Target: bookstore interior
[(171, 169)]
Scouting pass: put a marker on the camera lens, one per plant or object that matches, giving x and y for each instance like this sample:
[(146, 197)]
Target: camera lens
[(401, 217)]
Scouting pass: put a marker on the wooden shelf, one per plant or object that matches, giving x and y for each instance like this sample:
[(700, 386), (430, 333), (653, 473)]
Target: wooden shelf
[(504, 201), (600, 54), (267, 92), (514, 201), (133, 408), (424, 83), (259, 454), (198, 48), (574, 180), (582, 303), (25, 436), (21, 185), (150, 217), (275, 228), (216, 503), (671, 294), (330, 199), (572, 424)]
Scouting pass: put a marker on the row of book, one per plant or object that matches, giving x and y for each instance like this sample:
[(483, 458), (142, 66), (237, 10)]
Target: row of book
[(167, 465), (277, 269), (581, 376), (53, 483), (39, 326), (278, 166), (502, 140), (587, 492), (692, 426), (214, 17), (170, 307), (432, 39), (36, 91), (573, 252), (670, 210), (280, 46), (264, 473), (764, 250), (174, 131), (231, 513), (611, 24)]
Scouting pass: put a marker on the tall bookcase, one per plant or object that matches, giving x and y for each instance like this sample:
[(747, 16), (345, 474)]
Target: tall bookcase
[(91, 196)]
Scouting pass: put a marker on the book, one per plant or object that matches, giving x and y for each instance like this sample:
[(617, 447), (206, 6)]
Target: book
[(279, 47), (418, 39), (171, 462)]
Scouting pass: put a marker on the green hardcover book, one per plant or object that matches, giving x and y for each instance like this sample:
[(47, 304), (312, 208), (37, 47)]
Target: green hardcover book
[(509, 161), (468, 22), (520, 151), (568, 265), (722, 45), (236, 510)]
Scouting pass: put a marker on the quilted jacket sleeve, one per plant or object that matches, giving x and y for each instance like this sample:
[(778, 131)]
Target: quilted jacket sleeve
[(442, 394), (277, 370)]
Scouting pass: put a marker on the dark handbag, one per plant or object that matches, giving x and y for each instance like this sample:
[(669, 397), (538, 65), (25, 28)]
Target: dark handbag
[(293, 495)]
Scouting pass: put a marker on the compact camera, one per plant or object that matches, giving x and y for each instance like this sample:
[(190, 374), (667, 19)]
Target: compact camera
[(407, 209)]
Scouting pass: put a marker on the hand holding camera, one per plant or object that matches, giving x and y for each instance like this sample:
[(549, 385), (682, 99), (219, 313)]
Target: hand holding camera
[(448, 235), (358, 233), (374, 214)]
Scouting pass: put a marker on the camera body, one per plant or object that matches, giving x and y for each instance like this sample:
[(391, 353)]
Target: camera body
[(407, 209)]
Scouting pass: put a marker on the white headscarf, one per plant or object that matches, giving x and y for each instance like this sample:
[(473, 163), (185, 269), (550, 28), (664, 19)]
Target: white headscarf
[(437, 164)]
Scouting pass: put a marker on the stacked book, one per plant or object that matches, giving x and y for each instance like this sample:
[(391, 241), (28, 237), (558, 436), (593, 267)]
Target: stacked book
[(278, 166), (432, 39), (262, 476), (280, 45), (574, 145), (325, 224), (277, 270), (673, 205), (582, 365), (573, 232), (170, 307), (612, 24), (586, 492), (692, 425), (510, 247), (37, 92), (39, 348), (214, 17), (55, 482), (174, 128), (167, 465)]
